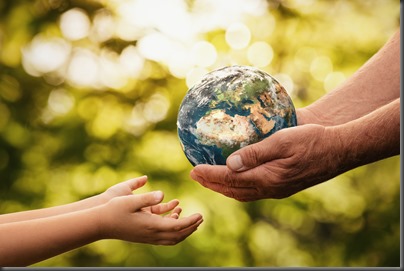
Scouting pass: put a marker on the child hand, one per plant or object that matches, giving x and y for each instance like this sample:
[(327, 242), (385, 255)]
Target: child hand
[(162, 208), (127, 187), (137, 218), (124, 188)]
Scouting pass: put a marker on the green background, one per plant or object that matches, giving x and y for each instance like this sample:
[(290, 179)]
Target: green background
[(65, 136)]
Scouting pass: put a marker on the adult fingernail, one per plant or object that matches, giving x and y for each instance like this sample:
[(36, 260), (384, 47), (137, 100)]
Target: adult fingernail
[(235, 163), (195, 176), (158, 195)]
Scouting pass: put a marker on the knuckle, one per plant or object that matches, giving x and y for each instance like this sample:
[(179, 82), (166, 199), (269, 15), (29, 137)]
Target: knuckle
[(227, 191), (229, 179), (151, 228), (177, 228), (251, 156)]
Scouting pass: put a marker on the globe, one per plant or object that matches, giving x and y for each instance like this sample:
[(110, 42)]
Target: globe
[(230, 108)]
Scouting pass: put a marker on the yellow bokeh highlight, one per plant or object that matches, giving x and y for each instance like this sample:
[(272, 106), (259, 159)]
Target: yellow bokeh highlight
[(320, 67), (260, 54)]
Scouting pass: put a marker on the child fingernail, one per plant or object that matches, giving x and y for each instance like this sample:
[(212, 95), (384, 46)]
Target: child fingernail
[(158, 195)]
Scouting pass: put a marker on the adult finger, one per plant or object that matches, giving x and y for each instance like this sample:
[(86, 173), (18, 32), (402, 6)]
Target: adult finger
[(238, 193), (255, 154), (222, 175)]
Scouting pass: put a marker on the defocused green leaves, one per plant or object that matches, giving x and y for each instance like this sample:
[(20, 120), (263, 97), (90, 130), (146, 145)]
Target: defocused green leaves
[(89, 93)]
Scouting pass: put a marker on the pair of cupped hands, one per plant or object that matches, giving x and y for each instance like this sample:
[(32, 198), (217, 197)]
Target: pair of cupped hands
[(279, 166), (147, 219)]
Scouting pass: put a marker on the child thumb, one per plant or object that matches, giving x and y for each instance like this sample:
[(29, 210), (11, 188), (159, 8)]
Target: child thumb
[(148, 199)]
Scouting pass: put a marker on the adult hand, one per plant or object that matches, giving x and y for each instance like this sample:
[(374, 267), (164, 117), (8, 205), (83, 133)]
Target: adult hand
[(279, 166)]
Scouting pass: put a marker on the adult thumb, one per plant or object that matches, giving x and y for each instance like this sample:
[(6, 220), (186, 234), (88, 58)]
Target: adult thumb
[(147, 199), (252, 155)]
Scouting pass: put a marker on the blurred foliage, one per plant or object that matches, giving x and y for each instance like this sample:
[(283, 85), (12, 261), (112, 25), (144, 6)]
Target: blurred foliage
[(89, 93)]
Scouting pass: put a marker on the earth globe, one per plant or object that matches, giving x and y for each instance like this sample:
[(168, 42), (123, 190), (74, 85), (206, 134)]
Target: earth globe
[(230, 108)]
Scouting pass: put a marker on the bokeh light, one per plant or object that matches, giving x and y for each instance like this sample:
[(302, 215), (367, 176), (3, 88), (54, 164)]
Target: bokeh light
[(260, 54), (195, 75), (320, 67), (44, 55), (75, 24), (203, 54), (238, 35), (83, 69)]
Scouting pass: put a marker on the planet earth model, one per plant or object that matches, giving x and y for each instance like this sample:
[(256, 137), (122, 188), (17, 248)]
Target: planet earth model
[(228, 109)]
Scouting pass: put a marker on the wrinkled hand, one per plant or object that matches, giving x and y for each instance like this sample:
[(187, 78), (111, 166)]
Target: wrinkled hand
[(279, 166)]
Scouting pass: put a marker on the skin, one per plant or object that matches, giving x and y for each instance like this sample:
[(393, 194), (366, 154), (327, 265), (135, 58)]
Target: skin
[(356, 124), (32, 236)]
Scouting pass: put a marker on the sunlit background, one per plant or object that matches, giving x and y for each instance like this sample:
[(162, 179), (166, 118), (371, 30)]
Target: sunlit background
[(89, 95)]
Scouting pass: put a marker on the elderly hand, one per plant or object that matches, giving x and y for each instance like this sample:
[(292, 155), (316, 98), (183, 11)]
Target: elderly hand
[(287, 162)]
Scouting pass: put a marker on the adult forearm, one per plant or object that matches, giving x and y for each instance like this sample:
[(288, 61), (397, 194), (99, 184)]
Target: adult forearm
[(375, 84), (27, 242), (371, 138)]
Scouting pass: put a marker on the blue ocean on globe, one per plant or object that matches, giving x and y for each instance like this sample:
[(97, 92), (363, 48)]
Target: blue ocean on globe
[(228, 109)]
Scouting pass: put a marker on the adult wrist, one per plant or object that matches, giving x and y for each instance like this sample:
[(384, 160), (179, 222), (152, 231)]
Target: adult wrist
[(308, 115), (339, 147)]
